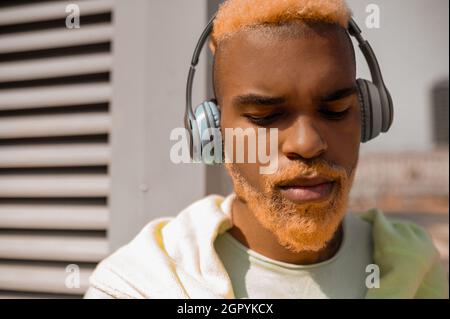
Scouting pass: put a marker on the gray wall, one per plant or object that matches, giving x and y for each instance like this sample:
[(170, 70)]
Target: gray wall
[(412, 48), (152, 47)]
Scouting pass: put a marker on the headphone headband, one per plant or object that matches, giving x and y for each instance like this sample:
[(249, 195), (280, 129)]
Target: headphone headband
[(189, 114)]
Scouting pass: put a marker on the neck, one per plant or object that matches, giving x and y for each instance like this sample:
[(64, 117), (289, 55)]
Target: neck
[(247, 230)]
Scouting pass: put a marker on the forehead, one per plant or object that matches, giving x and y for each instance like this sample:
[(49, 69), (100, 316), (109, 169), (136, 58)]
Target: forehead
[(266, 59)]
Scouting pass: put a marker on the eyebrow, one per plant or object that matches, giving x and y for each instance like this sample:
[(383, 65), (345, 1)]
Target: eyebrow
[(263, 100), (340, 94), (256, 99)]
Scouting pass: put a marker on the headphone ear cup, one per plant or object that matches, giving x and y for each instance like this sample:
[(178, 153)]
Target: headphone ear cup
[(371, 110), (207, 117), (195, 141), (215, 112)]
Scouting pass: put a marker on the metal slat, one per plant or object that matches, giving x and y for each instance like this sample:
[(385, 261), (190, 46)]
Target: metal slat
[(48, 185), (55, 125), (53, 248), (54, 155), (41, 278), (40, 216), (50, 39), (41, 252), (53, 96), (50, 11), (55, 67)]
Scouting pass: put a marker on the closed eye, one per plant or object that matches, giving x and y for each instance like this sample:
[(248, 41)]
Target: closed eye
[(263, 120), (334, 115)]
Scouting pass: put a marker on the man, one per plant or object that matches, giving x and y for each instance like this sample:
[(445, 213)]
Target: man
[(288, 65)]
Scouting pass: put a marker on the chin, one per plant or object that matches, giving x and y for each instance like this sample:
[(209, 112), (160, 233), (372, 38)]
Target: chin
[(307, 226), (302, 227)]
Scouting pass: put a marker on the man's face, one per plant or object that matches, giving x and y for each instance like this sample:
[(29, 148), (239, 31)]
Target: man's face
[(305, 87)]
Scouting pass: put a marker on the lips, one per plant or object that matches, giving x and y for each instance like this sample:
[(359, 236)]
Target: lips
[(301, 190)]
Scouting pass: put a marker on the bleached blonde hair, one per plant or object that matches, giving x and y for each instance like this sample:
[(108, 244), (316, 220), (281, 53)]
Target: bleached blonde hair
[(234, 15)]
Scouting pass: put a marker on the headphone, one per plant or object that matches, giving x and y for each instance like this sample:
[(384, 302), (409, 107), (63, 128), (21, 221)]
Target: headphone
[(377, 111)]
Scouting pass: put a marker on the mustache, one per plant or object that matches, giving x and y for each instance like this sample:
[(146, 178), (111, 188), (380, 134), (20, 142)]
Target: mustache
[(307, 169)]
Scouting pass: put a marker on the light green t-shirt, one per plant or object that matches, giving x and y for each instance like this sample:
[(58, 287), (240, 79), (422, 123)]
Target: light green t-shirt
[(343, 276)]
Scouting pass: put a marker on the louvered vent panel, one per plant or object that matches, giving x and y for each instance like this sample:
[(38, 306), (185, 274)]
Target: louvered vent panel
[(54, 153)]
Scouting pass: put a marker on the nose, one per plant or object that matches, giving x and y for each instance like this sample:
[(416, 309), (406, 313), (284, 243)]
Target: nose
[(303, 140)]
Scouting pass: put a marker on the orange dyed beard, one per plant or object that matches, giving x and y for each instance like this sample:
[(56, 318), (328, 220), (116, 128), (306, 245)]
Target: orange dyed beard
[(298, 227)]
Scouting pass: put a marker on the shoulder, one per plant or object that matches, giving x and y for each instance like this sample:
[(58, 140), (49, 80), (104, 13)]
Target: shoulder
[(409, 262), (146, 267), (401, 233), (123, 273)]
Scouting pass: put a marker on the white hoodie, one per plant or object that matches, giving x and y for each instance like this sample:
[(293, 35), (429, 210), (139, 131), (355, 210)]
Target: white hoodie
[(174, 257)]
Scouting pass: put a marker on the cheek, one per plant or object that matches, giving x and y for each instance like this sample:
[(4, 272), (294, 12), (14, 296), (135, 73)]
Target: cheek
[(249, 171), (344, 143)]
